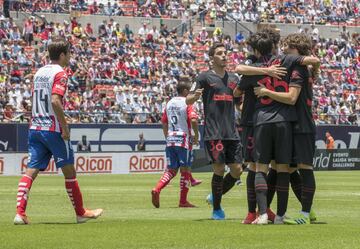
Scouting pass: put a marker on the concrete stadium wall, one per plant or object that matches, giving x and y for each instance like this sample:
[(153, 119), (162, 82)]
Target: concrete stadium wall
[(285, 29), (95, 20), (136, 22)]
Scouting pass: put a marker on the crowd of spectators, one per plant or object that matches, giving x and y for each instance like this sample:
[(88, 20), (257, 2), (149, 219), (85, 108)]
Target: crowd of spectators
[(120, 75), (278, 11)]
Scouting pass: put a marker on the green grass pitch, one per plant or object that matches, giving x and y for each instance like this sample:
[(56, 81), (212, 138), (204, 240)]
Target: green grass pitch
[(130, 221)]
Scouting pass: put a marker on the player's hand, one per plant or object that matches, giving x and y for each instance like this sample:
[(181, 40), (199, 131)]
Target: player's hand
[(198, 93), (260, 91), (65, 132), (276, 71)]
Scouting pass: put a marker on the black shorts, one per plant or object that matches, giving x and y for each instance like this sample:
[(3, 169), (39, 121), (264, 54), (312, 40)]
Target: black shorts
[(247, 139), (223, 151), (303, 148), (273, 142)]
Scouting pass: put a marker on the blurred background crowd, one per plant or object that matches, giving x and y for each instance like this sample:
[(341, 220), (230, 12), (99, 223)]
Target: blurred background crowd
[(120, 75)]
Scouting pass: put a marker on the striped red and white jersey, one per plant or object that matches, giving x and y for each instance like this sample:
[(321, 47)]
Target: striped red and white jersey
[(48, 80), (177, 115)]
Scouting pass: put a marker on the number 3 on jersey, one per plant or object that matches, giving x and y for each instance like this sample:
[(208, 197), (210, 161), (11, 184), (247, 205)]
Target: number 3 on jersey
[(272, 84), (41, 97)]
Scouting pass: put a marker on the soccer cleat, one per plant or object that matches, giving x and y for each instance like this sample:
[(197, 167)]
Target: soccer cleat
[(300, 220), (279, 220), (271, 215), (89, 214), (249, 218), (312, 215), (186, 205), (155, 198), (21, 220), (195, 182), (218, 214), (262, 219)]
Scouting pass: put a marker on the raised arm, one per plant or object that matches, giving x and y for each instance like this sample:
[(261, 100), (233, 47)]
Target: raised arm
[(274, 71), (193, 97)]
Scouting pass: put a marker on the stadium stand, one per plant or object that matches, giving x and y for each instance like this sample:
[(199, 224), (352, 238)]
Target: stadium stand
[(120, 75)]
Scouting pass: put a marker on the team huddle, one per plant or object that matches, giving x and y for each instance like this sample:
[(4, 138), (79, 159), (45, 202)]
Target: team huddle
[(274, 93), (277, 128)]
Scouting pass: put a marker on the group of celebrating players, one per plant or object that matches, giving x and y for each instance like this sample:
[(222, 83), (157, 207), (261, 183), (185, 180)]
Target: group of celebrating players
[(274, 91)]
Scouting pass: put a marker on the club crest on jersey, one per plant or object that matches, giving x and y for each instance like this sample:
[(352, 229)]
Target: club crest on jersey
[(232, 85), (295, 75)]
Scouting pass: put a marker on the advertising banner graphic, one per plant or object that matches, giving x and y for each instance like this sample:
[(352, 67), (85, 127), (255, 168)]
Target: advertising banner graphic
[(124, 137), (337, 159), (92, 163)]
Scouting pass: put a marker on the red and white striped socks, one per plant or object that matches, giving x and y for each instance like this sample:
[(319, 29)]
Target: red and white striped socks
[(74, 193), (23, 194), (184, 186), (165, 179)]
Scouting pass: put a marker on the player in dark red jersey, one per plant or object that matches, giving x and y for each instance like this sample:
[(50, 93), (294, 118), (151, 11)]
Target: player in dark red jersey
[(272, 121), (304, 127), (221, 136)]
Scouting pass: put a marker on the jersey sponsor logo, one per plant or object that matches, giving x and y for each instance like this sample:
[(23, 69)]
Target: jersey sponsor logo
[(1, 165), (94, 164), (155, 163), (222, 97), (50, 169), (42, 121)]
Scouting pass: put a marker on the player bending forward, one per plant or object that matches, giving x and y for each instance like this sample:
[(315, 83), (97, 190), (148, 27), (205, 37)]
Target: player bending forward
[(49, 134), (178, 119)]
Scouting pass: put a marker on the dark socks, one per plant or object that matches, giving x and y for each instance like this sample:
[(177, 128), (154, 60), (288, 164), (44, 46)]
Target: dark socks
[(217, 189), (282, 191), (251, 195), (295, 181), (261, 189), (228, 183), (271, 181), (308, 189)]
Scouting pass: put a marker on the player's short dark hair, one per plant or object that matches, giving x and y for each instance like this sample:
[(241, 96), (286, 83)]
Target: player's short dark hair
[(214, 47), (273, 33), (264, 43), (301, 42), (252, 40), (57, 47), (183, 84)]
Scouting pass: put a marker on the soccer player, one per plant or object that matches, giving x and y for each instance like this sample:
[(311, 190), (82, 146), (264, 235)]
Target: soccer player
[(304, 128), (273, 131), (248, 132), (221, 137), (178, 119), (49, 134)]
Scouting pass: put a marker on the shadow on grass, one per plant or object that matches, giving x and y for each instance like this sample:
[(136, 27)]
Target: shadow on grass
[(209, 219)]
